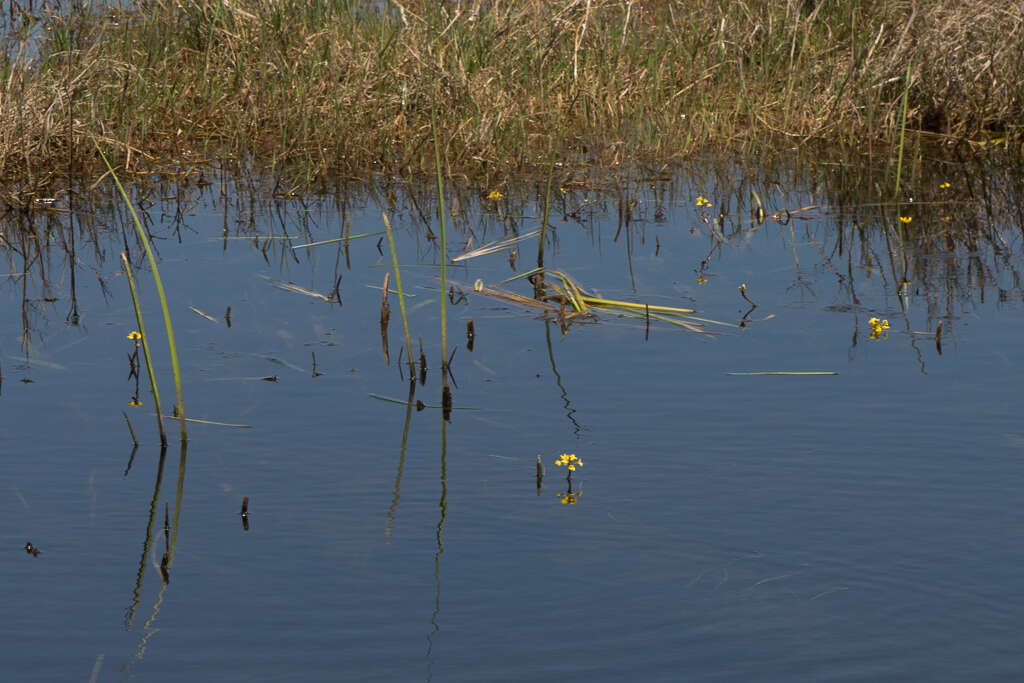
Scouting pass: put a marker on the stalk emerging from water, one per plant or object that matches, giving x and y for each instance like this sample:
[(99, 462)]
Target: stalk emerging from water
[(446, 392), (160, 290)]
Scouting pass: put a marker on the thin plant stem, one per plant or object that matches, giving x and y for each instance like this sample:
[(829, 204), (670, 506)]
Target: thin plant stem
[(401, 295), (444, 251), (903, 130), (145, 351), (160, 291), (544, 227)]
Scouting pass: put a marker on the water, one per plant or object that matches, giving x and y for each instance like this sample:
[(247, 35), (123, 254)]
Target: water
[(857, 526)]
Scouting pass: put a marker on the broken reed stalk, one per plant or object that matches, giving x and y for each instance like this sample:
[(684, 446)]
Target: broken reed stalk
[(446, 391), (160, 290), (401, 295), (145, 352)]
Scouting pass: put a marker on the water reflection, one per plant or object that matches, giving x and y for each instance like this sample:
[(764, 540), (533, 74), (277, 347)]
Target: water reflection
[(439, 536), (852, 259), (166, 562)]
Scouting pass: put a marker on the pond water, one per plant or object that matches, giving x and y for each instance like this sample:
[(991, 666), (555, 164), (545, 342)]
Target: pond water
[(861, 525)]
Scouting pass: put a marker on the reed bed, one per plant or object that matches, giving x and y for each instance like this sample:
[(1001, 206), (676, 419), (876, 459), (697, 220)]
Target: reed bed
[(314, 91)]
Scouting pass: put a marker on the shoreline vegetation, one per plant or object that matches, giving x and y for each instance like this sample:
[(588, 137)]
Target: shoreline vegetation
[(314, 92)]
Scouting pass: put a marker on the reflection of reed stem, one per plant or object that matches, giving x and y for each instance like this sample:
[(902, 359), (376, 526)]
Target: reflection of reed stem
[(149, 631), (401, 459), (130, 612), (440, 535)]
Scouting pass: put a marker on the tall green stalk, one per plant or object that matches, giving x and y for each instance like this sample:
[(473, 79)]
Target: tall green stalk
[(444, 250), (160, 290), (903, 129)]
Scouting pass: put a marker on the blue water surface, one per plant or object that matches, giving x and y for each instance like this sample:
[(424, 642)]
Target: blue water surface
[(855, 526)]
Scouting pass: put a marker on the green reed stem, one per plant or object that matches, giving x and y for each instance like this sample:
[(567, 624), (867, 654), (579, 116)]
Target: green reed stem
[(160, 290), (444, 249), (145, 351), (401, 295), (903, 130)]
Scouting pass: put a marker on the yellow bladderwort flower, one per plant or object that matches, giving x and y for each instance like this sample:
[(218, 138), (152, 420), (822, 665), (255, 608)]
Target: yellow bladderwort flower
[(135, 403), (570, 461), (906, 219), (135, 337), (702, 280), (944, 186), (568, 498), (878, 328), (494, 195), (702, 202)]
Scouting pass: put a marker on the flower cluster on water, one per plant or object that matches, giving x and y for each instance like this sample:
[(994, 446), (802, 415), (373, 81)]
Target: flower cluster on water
[(878, 328), (702, 202), (569, 461)]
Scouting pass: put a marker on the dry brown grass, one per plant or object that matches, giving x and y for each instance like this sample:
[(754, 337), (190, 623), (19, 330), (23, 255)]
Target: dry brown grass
[(313, 91)]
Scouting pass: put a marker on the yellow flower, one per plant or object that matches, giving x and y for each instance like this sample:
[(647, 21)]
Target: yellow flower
[(878, 328), (944, 186), (702, 280), (701, 201), (495, 195), (134, 335), (135, 402), (563, 190), (906, 219), (569, 460), (568, 498)]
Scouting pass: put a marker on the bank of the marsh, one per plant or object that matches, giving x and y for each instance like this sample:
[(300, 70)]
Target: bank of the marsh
[(343, 88)]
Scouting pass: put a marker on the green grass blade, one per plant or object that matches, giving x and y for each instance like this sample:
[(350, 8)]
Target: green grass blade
[(160, 291)]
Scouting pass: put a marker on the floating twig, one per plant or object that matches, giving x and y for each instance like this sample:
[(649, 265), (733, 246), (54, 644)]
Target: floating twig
[(201, 314)]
